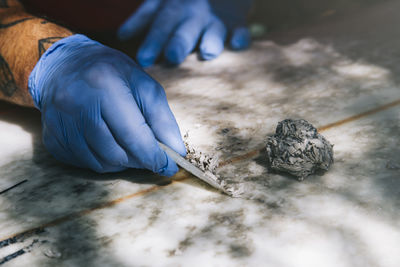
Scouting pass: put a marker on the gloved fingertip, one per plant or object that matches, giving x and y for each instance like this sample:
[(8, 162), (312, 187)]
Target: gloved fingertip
[(183, 151), (145, 58), (168, 172), (178, 147), (207, 56), (240, 39), (175, 54), (207, 52), (123, 161), (170, 169), (145, 61), (171, 138), (211, 50)]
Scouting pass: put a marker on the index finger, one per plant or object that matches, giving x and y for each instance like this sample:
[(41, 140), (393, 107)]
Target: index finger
[(128, 126), (153, 103), (161, 28), (139, 19)]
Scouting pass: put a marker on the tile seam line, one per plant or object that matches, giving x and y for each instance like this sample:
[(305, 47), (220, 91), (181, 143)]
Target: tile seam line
[(185, 176), (360, 115), (81, 213), (338, 123)]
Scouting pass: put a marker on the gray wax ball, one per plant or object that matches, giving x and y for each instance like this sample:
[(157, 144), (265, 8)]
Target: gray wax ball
[(297, 148)]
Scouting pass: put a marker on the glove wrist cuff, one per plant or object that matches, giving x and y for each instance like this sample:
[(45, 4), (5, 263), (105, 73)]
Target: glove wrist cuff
[(45, 65)]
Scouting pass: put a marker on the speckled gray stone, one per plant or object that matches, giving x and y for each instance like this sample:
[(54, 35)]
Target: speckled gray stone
[(298, 149)]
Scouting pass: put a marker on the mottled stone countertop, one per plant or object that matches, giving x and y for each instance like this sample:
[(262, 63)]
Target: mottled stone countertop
[(329, 73)]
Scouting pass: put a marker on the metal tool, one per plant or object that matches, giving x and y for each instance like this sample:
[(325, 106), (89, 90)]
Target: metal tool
[(208, 177)]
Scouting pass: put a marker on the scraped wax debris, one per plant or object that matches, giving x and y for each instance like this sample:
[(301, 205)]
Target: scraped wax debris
[(200, 160), (298, 149), (209, 164)]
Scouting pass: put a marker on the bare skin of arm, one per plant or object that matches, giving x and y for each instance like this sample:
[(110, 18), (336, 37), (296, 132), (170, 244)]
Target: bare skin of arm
[(23, 39)]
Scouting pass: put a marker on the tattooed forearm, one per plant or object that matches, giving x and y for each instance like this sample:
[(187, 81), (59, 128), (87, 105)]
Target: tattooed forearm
[(45, 43), (23, 40), (7, 82), (10, 24)]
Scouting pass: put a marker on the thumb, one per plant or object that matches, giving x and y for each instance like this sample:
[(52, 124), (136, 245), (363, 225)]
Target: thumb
[(140, 19), (170, 168), (240, 38)]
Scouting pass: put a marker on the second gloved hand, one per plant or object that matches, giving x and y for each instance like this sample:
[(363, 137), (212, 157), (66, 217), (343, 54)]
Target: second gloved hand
[(101, 111), (177, 26)]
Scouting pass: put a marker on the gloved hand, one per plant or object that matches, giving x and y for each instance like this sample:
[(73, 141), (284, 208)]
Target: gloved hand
[(234, 15), (101, 111), (177, 26)]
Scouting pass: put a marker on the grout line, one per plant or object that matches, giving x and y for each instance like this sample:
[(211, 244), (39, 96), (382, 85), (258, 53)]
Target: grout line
[(180, 176), (248, 155), (367, 113), (25, 234), (359, 116)]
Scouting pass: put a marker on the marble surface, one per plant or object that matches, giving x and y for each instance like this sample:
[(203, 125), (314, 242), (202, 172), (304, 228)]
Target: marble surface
[(323, 73)]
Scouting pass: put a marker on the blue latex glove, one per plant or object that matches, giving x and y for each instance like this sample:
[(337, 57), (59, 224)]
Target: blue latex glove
[(234, 15), (101, 111), (175, 27)]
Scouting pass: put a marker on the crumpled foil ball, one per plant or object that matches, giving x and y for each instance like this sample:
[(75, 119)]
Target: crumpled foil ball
[(298, 149)]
